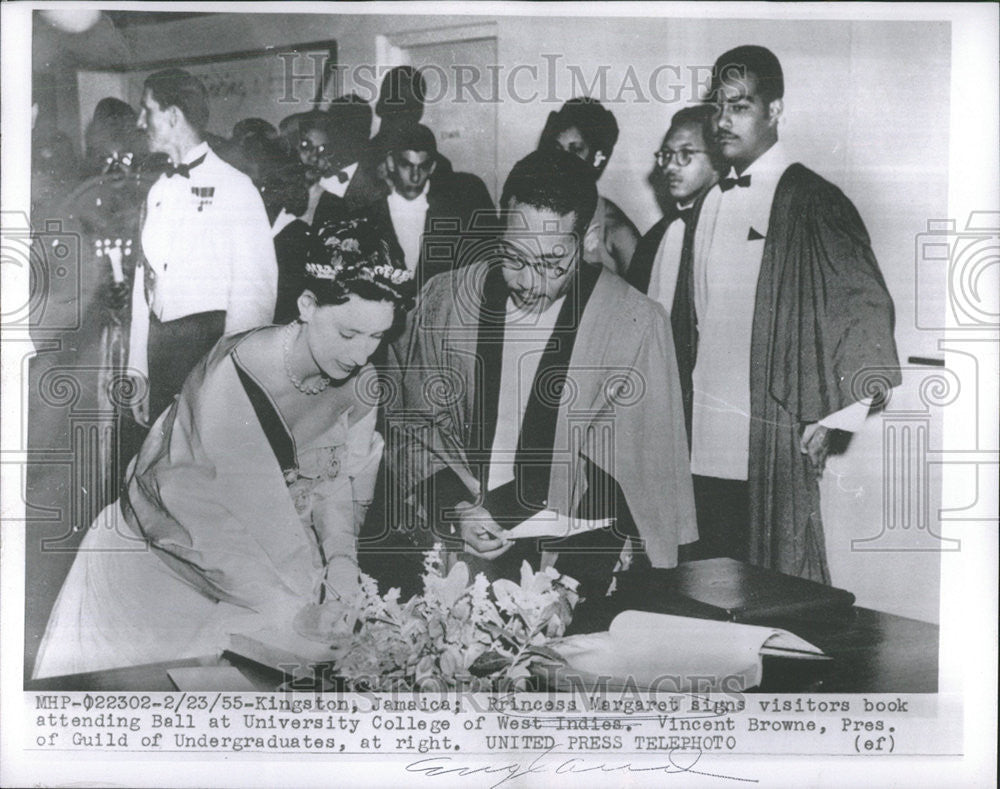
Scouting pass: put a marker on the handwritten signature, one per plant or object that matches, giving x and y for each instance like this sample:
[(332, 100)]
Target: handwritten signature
[(438, 766)]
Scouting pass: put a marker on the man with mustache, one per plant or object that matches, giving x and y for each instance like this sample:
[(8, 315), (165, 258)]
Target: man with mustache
[(788, 313), (208, 265), (530, 381)]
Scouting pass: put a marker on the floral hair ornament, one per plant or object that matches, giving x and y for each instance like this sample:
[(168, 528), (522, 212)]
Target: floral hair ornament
[(355, 250)]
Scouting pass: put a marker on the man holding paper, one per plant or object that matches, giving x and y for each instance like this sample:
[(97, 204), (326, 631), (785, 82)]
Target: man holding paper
[(533, 387)]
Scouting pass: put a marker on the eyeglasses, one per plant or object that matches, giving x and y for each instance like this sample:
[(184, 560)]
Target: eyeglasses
[(512, 260), (682, 157), (306, 146)]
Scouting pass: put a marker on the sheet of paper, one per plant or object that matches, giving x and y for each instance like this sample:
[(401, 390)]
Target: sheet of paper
[(217, 678), (549, 523), (677, 653)]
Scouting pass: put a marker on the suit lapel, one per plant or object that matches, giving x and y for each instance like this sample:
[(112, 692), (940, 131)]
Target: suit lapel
[(683, 316), (641, 268)]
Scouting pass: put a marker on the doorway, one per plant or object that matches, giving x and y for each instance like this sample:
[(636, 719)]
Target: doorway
[(459, 66)]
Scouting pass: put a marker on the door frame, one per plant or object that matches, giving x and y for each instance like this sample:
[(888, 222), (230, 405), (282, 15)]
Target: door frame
[(389, 49)]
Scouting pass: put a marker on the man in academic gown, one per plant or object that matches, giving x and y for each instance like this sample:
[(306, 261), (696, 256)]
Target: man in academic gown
[(527, 381), (792, 332), (687, 166)]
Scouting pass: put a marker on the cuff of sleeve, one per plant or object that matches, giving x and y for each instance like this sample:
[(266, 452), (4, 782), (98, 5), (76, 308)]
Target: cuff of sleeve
[(850, 418)]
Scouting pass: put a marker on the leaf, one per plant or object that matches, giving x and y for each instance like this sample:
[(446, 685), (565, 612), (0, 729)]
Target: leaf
[(527, 575), (548, 653), (450, 662), (506, 591), (488, 663), (454, 585)]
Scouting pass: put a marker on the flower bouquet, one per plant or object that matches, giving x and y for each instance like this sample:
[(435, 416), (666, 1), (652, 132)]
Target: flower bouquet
[(458, 634)]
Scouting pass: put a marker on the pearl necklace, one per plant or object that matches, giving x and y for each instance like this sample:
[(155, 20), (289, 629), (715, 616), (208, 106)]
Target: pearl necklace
[(290, 333)]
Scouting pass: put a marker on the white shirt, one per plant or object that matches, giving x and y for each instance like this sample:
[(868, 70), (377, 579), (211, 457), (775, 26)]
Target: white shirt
[(408, 221), (281, 221), (525, 337), (663, 277), (726, 269), (334, 185), (207, 244)]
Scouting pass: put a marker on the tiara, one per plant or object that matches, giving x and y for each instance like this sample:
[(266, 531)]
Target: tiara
[(386, 271)]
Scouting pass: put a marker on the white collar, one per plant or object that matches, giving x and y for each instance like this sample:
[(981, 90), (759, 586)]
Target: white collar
[(420, 201), (281, 221), (334, 185), (770, 164), (198, 151)]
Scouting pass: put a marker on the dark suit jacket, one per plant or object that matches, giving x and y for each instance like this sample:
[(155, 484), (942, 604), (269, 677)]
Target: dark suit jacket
[(364, 189), (460, 217), (292, 249), (683, 319)]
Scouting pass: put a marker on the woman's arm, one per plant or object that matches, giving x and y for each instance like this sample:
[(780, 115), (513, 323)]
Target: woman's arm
[(340, 504)]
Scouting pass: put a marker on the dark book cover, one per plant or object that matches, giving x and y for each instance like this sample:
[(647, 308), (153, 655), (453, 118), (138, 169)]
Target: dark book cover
[(727, 589)]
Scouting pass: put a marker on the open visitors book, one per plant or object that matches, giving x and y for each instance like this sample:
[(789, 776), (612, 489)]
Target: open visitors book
[(647, 651)]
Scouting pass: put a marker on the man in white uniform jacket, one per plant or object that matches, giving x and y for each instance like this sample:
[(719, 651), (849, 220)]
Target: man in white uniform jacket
[(209, 266)]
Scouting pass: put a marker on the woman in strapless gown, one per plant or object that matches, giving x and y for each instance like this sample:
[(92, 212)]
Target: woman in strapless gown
[(244, 502)]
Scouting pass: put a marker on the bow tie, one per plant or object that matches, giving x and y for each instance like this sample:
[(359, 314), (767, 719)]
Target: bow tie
[(342, 177), (183, 169), (728, 183), (684, 214)]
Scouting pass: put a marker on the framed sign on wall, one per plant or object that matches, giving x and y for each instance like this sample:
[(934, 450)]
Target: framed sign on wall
[(269, 83)]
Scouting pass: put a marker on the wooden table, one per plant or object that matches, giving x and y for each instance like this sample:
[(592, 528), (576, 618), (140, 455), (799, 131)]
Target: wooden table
[(872, 651)]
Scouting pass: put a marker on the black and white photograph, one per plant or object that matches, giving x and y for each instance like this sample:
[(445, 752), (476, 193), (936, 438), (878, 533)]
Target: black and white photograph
[(500, 393)]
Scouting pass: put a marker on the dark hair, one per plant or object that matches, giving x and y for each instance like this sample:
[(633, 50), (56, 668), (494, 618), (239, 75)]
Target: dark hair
[(174, 87), (355, 258), (732, 67), (412, 137), (293, 129), (253, 127), (278, 174), (597, 124), (112, 129), (555, 180), (402, 92), (113, 117), (350, 123), (314, 120), (700, 115)]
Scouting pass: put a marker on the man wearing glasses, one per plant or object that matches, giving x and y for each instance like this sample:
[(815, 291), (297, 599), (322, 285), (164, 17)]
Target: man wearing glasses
[(789, 314), (534, 384), (347, 186), (688, 164)]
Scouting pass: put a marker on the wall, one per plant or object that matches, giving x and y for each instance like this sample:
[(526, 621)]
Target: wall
[(866, 106)]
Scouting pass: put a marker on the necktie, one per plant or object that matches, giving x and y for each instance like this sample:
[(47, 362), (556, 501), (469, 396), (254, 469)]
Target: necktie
[(684, 214), (342, 177), (184, 169), (728, 183)]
